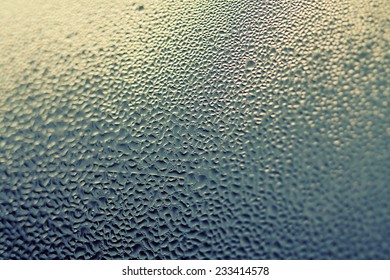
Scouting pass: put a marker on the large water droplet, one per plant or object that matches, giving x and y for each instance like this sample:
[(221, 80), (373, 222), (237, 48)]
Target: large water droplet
[(250, 64)]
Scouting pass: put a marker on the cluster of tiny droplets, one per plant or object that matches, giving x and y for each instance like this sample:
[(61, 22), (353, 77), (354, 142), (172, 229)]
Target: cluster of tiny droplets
[(198, 129)]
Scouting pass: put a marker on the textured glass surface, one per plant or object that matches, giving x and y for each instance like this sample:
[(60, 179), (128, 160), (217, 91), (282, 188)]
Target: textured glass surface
[(194, 129)]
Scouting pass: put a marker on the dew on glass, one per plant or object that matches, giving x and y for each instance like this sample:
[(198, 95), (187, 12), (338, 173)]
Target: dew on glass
[(165, 129)]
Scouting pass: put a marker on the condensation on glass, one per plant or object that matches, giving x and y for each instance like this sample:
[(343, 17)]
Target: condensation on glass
[(194, 129)]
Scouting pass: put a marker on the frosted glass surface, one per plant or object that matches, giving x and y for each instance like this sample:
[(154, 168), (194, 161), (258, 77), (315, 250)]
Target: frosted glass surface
[(194, 129)]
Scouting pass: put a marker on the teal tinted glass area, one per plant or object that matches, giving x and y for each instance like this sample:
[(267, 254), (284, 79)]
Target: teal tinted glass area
[(194, 129)]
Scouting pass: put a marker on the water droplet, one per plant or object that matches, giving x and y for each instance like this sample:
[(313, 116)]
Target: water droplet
[(139, 7), (250, 64)]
